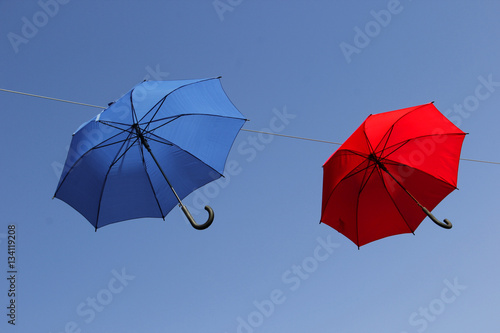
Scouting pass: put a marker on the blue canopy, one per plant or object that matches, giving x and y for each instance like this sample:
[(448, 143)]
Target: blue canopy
[(188, 126)]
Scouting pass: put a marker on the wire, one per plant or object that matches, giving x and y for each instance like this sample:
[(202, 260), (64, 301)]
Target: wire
[(51, 98), (291, 136), (479, 161), (243, 129)]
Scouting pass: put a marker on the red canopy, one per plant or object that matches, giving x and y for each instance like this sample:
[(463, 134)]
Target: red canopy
[(371, 184)]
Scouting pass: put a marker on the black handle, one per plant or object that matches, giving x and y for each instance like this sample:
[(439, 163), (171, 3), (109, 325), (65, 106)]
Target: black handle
[(193, 222), (445, 224)]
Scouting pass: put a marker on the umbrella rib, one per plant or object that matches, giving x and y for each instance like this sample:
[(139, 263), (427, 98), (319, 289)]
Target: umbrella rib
[(111, 124), (397, 120), (152, 108), (367, 140), (132, 108), (344, 178), (349, 175), (109, 144), (83, 155), (210, 115), (171, 92), (354, 152), (187, 114), (413, 168), (172, 118), (158, 139), (366, 179), (402, 143), (117, 158), (357, 224), (163, 124), (187, 152), (388, 133), (155, 137), (386, 160), (392, 199), (415, 109), (363, 184), (196, 157), (149, 180), (101, 145), (159, 104), (106, 178)]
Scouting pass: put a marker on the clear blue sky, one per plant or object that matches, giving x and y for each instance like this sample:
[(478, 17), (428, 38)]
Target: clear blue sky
[(307, 68)]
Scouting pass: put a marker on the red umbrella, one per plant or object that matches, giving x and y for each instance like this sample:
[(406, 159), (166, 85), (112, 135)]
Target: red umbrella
[(388, 175)]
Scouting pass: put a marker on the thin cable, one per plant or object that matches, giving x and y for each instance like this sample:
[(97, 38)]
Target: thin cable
[(293, 137), (479, 161), (243, 129), (51, 98)]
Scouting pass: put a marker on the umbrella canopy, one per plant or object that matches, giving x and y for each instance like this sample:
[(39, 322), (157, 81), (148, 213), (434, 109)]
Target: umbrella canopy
[(390, 172), (148, 150)]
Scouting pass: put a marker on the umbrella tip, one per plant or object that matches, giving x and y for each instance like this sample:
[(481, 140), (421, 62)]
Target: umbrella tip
[(432, 102), (219, 77)]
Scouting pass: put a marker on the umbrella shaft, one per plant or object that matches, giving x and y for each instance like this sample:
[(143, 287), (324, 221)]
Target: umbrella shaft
[(373, 158), (184, 208), (164, 176), (146, 144), (446, 224), (411, 196)]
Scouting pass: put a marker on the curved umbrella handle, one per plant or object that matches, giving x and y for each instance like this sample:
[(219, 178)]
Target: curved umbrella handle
[(193, 222), (445, 224)]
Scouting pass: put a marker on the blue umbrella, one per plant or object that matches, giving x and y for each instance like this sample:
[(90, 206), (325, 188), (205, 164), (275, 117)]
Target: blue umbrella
[(148, 150)]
